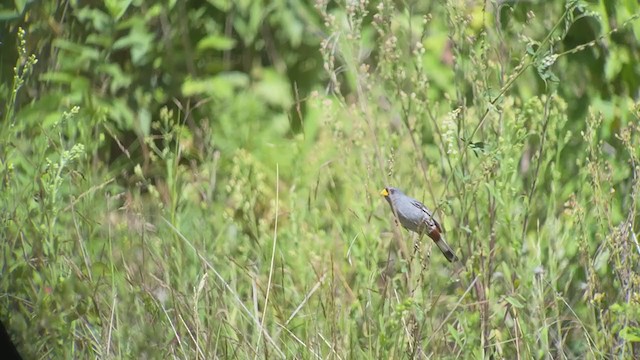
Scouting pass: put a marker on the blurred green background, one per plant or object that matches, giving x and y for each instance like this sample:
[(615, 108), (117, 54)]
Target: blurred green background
[(200, 179)]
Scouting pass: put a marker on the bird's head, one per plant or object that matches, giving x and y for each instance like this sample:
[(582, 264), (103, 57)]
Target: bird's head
[(389, 191)]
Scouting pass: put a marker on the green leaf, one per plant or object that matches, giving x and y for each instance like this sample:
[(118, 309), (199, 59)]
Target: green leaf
[(98, 19), (222, 5), (293, 27), (119, 79), (631, 334), (274, 89), (517, 303), (57, 77), (20, 5), (220, 86), (117, 8), (616, 308), (532, 48), (454, 334), (216, 42), (615, 62), (139, 41), (70, 46), (121, 114), (144, 121), (8, 15)]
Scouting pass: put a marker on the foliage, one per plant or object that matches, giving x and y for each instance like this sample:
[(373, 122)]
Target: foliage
[(200, 179)]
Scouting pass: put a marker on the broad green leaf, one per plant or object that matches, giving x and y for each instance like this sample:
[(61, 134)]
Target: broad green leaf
[(117, 8), (216, 42), (8, 15), (631, 334), (20, 5)]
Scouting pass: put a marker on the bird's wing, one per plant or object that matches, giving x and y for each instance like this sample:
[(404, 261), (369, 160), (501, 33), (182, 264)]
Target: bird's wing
[(430, 216)]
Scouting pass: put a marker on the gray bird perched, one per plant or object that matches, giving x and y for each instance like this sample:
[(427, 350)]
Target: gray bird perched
[(414, 216)]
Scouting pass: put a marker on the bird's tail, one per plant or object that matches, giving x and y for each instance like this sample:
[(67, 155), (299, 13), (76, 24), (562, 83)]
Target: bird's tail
[(446, 250)]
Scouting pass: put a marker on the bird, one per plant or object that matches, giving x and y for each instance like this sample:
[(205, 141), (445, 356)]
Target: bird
[(416, 217)]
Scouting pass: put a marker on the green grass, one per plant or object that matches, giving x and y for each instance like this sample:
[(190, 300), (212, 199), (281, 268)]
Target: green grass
[(213, 225)]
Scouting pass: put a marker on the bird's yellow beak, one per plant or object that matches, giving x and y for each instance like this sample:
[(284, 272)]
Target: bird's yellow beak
[(384, 192)]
